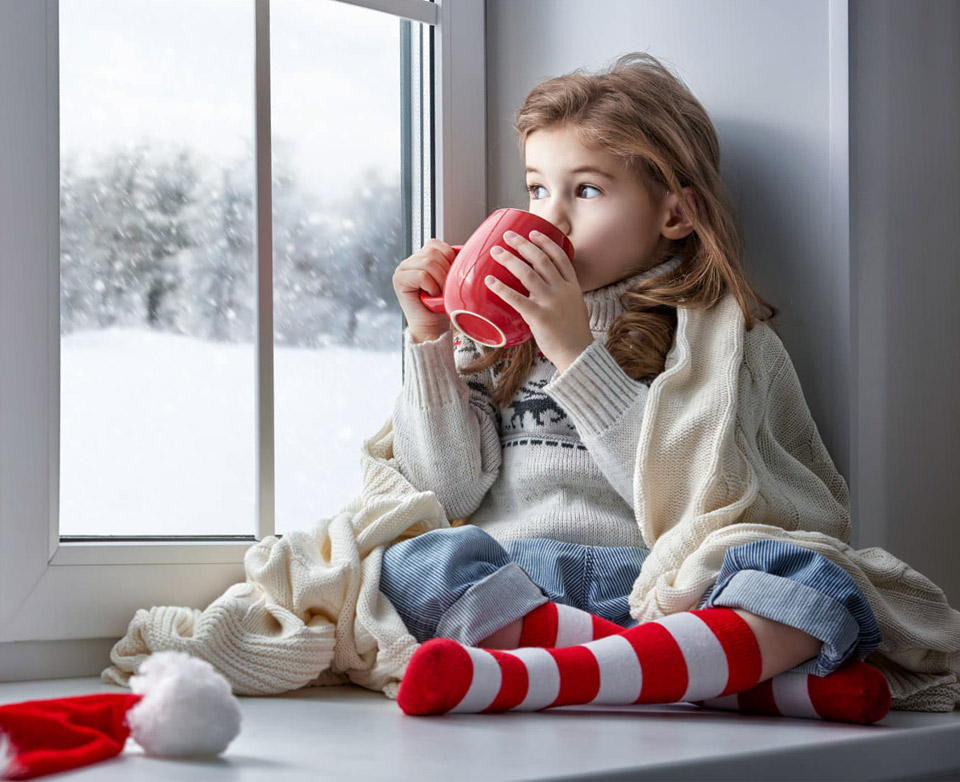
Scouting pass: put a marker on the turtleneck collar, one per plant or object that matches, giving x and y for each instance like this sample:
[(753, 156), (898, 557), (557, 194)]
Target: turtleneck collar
[(603, 304)]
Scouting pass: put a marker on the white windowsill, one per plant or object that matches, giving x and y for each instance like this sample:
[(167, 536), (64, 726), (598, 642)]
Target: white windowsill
[(348, 732), (153, 553)]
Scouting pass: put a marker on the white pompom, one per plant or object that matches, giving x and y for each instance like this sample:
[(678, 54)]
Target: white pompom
[(187, 707), (8, 756)]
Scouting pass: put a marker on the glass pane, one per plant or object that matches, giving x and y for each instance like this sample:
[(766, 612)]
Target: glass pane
[(337, 235), (157, 267)]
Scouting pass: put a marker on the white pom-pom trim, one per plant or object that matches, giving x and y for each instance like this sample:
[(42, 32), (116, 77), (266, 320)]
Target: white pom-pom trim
[(8, 756), (187, 707)]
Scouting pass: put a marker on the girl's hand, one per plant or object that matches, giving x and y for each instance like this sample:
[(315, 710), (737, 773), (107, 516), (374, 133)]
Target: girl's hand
[(555, 310), (425, 270)]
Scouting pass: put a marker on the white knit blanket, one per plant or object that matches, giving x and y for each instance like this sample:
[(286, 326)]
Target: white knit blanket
[(728, 453), (310, 611)]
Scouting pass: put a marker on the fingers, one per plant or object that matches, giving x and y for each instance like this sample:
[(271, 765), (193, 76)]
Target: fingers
[(437, 269), (420, 276), (422, 280), (426, 269), (445, 249), (556, 254), (536, 271), (514, 298), (520, 269), (544, 255)]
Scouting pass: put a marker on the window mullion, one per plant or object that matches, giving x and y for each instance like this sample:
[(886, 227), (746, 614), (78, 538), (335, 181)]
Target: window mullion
[(406, 137), (266, 491)]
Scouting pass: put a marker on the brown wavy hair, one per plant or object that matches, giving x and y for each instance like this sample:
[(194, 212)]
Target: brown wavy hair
[(643, 113)]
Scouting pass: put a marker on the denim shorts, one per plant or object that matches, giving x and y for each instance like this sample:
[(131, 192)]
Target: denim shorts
[(460, 583)]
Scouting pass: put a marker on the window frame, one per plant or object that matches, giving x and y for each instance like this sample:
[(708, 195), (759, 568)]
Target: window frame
[(60, 591)]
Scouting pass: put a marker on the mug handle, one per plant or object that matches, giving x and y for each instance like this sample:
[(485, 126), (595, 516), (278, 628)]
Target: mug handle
[(435, 303)]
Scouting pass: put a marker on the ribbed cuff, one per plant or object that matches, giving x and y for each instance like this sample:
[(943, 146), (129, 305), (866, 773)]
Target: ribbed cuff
[(594, 389), (430, 376), (490, 605)]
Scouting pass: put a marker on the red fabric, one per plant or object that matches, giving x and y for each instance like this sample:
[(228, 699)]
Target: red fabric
[(540, 626), (441, 672), (856, 692), (603, 627), (513, 686), (579, 675), (438, 676), (758, 699), (64, 733), (739, 644), (664, 668)]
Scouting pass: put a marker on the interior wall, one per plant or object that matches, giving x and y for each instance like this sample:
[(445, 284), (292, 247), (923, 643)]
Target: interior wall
[(905, 211), (762, 71), (774, 78)]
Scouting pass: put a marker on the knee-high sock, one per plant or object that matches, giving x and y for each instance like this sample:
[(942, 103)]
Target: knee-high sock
[(856, 692), (688, 656), (556, 625)]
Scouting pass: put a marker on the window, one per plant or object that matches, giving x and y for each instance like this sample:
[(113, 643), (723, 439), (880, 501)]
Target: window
[(79, 588), (158, 259), (157, 268)]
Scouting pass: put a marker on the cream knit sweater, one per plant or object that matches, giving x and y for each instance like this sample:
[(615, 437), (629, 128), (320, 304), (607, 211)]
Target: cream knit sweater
[(728, 453), (556, 461)]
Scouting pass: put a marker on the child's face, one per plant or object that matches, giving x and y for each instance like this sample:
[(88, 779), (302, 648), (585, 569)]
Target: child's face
[(613, 222)]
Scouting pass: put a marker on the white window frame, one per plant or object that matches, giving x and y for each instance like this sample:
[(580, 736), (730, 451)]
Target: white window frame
[(53, 593)]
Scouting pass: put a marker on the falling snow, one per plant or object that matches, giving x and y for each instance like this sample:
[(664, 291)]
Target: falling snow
[(158, 316)]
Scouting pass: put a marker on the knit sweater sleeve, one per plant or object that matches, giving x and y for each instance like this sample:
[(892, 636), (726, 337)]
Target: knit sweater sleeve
[(606, 406), (446, 431)]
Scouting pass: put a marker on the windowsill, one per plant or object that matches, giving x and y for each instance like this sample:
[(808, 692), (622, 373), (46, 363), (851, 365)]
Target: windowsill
[(343, 732)]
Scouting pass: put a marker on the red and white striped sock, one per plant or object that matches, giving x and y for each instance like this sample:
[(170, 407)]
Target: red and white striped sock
[(693, 655), (556, 625), (856, 692)]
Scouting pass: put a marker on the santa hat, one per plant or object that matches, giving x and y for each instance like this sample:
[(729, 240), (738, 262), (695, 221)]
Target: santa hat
[(180, 706)]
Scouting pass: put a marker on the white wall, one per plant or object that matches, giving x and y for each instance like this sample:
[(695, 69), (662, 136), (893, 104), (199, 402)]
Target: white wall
[(769, 97), (774, 77), (905, 212)]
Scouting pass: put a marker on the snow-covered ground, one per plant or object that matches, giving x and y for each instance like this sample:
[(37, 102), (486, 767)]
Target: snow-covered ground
[(158, 432)]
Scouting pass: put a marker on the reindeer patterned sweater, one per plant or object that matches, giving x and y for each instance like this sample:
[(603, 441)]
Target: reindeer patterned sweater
[(556, 462)]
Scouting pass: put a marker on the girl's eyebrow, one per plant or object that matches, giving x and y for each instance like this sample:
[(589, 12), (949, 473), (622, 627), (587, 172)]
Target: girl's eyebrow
[(581, 170)]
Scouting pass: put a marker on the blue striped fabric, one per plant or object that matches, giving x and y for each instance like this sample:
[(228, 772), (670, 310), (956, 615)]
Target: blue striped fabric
[(425, 576), (802, 589), (595, 579), (461, 583)]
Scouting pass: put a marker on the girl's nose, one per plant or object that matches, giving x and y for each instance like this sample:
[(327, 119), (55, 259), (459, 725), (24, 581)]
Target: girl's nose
[(559, 216)]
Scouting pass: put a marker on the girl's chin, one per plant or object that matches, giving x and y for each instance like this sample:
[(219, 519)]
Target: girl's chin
[(592, 284), (588, 282)]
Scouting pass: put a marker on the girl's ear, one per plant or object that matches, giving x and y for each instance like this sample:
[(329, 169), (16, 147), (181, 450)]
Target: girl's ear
[(676, 223)]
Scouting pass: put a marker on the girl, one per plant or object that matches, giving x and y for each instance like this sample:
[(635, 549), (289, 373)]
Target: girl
[(536, 445)]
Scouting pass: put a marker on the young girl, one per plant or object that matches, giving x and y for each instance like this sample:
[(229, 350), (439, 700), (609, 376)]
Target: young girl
[(536, 445)]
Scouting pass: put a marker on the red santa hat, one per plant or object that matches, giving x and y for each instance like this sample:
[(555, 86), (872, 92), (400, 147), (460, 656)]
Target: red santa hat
[(180, 706)]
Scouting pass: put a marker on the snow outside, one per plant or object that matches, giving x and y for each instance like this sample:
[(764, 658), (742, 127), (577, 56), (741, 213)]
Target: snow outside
[(158, 300), (158, 384)]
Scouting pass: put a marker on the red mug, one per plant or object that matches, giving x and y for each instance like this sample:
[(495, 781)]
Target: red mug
[(474, 309)]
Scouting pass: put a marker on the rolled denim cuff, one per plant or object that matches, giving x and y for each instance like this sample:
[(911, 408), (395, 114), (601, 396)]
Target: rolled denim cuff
[(490, 605), (797, 605)]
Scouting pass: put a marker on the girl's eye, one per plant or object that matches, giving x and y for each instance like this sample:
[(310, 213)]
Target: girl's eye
[(532, 189)]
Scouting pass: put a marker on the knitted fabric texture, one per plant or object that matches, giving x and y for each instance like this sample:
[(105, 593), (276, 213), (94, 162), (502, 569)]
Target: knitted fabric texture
[(556, 461), (310, 611), (728, 453)]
